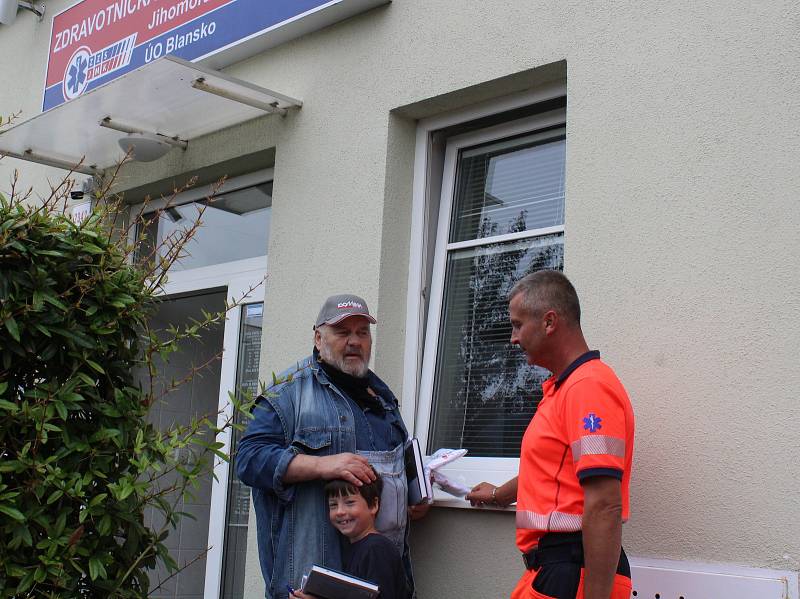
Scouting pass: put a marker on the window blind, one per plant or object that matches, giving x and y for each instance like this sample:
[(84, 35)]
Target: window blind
[(506, 189)]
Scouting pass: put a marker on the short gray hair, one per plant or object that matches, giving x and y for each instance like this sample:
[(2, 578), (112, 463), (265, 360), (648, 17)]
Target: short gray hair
[(548, 290)]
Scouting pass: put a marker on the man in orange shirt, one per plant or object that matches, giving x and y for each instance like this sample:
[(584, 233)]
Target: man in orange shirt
[(576, 455)]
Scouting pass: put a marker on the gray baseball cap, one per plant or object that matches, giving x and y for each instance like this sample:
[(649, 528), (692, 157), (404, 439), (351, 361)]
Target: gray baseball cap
[(338, 307)]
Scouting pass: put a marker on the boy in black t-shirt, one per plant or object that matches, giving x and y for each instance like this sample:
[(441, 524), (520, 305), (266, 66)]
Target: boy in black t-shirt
[(370, 556)]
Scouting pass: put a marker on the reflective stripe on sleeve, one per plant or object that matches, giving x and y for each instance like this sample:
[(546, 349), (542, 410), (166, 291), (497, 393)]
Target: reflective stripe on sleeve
[(554, 521), (598, 445)]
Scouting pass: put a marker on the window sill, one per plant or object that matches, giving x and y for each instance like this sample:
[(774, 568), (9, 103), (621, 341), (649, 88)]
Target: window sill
[(442, 499)]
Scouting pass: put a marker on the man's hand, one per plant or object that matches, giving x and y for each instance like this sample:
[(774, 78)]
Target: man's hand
[(481, 494), (602, 534), (353, 468), (415, 512), (489, 494)]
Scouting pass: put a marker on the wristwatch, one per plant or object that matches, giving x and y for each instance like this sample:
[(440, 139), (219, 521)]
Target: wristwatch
[(494, 496)]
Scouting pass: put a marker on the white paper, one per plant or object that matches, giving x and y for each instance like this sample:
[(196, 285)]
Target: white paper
[(448, 485)]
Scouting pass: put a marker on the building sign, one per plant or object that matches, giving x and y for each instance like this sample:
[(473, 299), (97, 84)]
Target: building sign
[(95, 41)]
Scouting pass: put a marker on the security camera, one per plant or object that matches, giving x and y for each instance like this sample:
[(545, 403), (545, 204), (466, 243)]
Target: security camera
[(88, 187)]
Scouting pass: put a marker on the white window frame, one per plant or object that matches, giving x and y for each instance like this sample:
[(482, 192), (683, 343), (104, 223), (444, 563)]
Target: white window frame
[(419, 359), (238, 277)]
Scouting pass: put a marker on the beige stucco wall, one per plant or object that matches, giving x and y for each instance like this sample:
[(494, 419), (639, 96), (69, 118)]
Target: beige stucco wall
[(682, 236), (23, 59)]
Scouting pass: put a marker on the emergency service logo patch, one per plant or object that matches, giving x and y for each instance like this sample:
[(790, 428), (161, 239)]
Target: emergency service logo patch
[(75, 78), (591, 423), (85, 66)]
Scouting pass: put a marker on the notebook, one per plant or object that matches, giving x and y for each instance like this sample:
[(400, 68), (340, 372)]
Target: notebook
[(419, 485), (326, 583)]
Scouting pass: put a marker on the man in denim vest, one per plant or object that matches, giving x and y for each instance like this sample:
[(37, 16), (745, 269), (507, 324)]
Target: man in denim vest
[(329, 417)]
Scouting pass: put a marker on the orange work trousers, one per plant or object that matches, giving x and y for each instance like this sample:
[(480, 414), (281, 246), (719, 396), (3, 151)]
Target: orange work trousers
[(524, 589)]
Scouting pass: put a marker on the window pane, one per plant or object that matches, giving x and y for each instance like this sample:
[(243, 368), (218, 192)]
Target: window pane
[(235, 225), (510, 186), (485, 393)]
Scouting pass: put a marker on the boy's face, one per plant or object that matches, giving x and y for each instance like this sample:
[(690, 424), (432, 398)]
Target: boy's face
[(351, 516)]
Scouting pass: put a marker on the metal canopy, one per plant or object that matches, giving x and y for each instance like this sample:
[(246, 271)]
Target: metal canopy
[(176, 100)]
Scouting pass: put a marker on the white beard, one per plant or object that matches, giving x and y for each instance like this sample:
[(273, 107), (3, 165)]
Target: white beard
[(357, 370)]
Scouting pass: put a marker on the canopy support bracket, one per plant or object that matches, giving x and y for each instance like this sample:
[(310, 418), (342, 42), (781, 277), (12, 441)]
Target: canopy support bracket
[(32, 156), (108, 123)]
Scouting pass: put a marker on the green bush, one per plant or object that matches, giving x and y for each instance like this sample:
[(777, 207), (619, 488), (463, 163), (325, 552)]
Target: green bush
[(79, 462)]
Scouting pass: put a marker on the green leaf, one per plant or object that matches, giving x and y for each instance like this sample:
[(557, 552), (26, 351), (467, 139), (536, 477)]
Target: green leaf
[(104, 526), (8, 406), (98, 499), (22, 536), (54, 496), (12, 512), (61, 409), (95, 366), (12, 327), (14, 570), (25, 535), (55, 302), (26, 582), (61, 524), (86, 379), (73, 397), (42, 329), (96, 568)]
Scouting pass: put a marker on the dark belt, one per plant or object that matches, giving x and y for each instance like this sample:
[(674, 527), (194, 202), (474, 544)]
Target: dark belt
[(565, 547), (555, 548)]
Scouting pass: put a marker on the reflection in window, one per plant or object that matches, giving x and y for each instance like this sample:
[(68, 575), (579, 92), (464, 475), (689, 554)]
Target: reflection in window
[(510, 193), (235, 226)]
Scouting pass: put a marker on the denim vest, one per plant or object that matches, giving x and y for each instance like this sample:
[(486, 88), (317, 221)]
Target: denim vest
[(292, 522)]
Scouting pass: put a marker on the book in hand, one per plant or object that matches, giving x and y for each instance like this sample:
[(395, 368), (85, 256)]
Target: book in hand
[(419, 485), (326, 583)]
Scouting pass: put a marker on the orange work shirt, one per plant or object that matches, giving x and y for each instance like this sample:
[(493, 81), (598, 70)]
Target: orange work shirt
[(583, 427)]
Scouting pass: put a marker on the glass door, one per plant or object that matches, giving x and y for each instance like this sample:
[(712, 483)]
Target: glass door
[(187, 540)]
